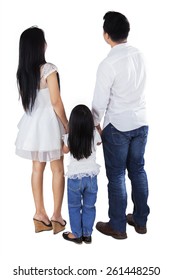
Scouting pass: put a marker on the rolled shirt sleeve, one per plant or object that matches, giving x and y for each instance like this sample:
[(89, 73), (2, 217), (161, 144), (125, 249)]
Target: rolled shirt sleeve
[(104, 80)]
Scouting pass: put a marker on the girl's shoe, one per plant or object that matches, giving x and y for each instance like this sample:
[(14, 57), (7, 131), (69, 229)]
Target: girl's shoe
[(87, 239), (57, 226), (77, 240), (41, 226)]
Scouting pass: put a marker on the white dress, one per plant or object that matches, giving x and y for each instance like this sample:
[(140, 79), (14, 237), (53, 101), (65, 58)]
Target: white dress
[(40, 131)]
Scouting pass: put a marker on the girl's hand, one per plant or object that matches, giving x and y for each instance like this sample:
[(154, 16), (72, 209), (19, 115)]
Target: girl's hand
[(65, 149), (99, 129)]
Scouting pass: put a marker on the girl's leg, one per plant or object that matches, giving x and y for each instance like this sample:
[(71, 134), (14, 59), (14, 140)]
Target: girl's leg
[(57, 168), (37, 189), (89, 200), (74, 207)]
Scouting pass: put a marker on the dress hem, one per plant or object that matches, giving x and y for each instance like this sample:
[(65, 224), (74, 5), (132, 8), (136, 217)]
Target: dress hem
[(39, 156)]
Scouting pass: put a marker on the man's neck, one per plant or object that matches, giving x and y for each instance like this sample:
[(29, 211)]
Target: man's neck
[(113, 43)]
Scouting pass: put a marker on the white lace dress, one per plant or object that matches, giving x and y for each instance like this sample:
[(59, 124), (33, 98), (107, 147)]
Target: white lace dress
[(40, 131)]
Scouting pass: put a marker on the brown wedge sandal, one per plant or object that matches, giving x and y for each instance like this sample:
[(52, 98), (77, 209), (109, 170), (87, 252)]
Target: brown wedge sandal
[(41, 226), (57, 226)]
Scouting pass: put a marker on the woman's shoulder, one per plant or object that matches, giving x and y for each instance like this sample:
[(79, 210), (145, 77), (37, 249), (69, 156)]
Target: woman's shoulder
[(48, 68)]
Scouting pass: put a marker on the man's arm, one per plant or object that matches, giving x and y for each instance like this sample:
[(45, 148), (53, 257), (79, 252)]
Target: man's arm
[(104, 81)]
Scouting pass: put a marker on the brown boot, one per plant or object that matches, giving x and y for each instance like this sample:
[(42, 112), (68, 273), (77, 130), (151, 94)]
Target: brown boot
[(107, 230), (131, 222)]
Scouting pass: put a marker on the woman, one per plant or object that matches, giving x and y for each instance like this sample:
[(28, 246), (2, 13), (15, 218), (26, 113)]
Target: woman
[(42, 126)]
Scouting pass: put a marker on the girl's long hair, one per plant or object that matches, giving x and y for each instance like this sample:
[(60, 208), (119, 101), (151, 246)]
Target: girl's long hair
[(81, 129), (31, 56)]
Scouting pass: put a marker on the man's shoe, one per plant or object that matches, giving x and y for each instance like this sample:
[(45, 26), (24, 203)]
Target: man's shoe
[(131, 222), (107, 230)]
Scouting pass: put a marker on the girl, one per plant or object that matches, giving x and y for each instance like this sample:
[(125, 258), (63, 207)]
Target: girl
[(81, 141), (42, 126)]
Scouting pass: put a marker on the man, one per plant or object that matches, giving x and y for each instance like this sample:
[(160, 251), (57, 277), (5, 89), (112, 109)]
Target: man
[(119, 97)]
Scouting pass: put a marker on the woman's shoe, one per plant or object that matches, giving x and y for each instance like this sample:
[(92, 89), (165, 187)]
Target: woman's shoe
[(87, 239), (57, 226), (77, 240), (41, 226)]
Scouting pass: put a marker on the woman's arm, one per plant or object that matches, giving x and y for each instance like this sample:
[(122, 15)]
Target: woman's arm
[(56, 100)]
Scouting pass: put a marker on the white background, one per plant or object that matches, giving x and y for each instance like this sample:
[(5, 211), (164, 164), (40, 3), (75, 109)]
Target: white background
[(73, 31)]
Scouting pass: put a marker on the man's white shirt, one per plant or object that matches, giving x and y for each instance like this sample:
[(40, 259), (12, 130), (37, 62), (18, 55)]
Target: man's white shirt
[(119, 90)]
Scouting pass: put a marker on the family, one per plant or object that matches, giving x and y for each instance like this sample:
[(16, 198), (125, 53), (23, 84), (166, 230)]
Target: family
[(45, 135)]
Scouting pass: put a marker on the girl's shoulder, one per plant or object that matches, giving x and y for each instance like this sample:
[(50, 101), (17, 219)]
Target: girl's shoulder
[(47, 69)]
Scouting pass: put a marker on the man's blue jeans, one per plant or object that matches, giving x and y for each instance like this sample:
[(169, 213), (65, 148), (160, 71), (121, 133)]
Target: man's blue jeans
[(125, 150), (82, 195)]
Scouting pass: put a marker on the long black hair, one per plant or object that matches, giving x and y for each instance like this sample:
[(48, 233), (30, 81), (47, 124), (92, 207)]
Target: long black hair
[(81, 130), (31, 56)]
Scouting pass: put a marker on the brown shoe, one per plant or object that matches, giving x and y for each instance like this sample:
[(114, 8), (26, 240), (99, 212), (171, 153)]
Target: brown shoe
[(131, 222), (107, 230), (41, 226)]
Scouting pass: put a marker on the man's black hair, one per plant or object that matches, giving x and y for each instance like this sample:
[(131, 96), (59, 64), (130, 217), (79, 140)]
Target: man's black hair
[(116, 25)]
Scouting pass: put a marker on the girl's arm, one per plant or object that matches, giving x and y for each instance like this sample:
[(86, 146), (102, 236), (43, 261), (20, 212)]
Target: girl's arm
[(56, 100), (65, 149), (98, 132), (98, 127)]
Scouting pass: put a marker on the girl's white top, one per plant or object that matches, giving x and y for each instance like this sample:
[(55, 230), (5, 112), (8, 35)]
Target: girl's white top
[(86, 166), (40, 131)]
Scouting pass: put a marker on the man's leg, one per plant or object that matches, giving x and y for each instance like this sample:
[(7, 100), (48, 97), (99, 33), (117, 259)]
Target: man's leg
[(138, 176), (115, 146)]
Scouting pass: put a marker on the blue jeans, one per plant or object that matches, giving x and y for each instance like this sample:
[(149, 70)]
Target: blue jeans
[(82, 195), (125, 150)]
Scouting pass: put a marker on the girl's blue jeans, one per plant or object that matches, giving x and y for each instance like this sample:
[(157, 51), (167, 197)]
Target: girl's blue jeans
[(125, 151), (82, 195)]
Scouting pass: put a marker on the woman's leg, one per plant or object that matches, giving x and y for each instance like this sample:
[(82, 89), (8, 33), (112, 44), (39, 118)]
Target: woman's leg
[(57, 168), (37, 189)]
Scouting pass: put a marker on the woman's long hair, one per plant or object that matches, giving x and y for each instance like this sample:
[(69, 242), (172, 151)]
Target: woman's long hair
[(31, 56), (81, 129)]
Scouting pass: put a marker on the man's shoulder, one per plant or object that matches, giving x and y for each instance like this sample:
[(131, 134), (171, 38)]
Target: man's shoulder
[(133, 49), (122, 52), (105, 63)]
